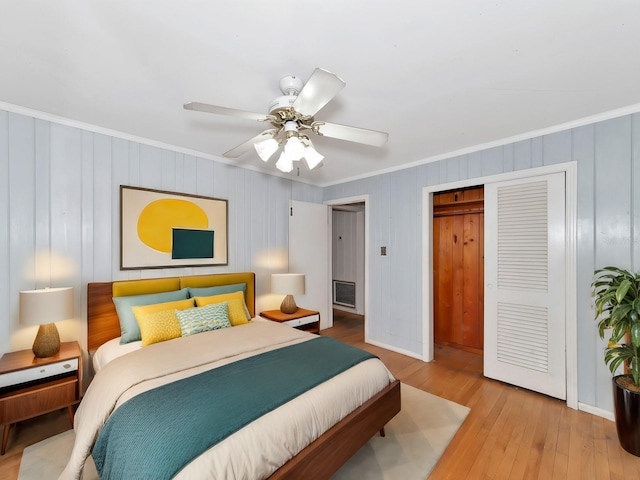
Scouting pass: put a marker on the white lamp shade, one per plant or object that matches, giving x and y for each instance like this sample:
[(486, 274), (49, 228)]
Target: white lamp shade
[(294, 148), (312, 157), (266, 148), (287, 283), (48, 305), (284, 163)]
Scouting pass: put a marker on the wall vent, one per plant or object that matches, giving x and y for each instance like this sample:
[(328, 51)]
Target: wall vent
[(344, 293)]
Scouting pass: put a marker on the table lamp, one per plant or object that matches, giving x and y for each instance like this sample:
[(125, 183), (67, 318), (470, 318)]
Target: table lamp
[(289, 284), (44, 307)]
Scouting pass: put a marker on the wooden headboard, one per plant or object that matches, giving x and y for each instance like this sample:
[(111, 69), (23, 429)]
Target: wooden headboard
[(102, 319)]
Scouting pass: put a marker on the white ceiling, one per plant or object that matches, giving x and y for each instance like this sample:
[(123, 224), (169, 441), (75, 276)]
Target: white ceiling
[(438, 75)]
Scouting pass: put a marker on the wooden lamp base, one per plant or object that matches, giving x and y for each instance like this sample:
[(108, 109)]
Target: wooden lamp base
[(47, 342), (288, 305)]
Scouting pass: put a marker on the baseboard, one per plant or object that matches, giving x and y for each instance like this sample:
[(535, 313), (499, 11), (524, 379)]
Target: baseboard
[(583, 407), (393, 349)]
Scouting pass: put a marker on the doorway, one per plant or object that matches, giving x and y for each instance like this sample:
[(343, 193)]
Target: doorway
[(349, 243), (458, 268), (569, 171)]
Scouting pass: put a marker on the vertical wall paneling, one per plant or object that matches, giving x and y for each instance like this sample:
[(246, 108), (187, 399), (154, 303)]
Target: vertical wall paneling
[(556, 147), (607, 226), (42, 200), (492, 161), (475, 166), (522, 155), (86, 170), (588, 343), (22, 185), (60, 201), (613, 210), (7, 326), (508, 158), (65, 210), (635, 187), (537, 152)]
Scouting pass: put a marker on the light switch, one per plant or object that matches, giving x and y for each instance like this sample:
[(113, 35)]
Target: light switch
[(383, 250)]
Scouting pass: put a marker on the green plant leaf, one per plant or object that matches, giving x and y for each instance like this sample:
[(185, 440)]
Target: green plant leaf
[(635, 335), (622, 290)]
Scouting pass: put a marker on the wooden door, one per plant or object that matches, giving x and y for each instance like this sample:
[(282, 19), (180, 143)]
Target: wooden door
[(458, 263)]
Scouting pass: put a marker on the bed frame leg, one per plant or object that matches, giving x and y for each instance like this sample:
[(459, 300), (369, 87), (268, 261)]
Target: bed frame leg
[(382, 432)]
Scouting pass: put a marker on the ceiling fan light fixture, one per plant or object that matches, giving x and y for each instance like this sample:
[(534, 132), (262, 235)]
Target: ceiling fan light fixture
[(294, 148), (284, 163), (311, 155), (266, 148)]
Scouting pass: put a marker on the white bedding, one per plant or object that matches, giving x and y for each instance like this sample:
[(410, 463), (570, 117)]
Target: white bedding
[(113, 349), (256, 450)]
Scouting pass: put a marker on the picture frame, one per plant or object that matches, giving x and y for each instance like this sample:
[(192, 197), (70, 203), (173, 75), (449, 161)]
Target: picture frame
[(161, 229)]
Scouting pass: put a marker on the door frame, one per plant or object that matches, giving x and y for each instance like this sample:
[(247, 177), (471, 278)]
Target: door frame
[(346, 201), (571, 179)]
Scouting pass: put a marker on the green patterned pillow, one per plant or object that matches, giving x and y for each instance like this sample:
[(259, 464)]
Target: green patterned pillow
[(202, 319)]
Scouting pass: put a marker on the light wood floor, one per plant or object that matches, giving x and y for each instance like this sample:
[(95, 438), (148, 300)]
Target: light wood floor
[(510, 433)]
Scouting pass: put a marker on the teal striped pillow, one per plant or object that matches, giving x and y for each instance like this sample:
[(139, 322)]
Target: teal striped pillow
[(202, 319)]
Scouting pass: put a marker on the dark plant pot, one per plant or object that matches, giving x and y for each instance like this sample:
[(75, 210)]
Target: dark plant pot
[(627, 411)]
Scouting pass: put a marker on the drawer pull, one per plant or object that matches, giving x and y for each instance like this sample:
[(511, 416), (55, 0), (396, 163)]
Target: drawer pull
[(42, 370), (67, 366)]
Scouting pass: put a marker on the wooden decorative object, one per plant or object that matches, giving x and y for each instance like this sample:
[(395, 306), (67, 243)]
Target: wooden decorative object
[(288, 305), (47, 342)]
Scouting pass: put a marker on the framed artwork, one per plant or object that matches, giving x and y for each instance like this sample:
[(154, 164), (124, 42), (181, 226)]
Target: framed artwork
[(161, 229)]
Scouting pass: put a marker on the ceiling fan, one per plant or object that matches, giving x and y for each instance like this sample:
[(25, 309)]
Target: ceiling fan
[(292, 117)]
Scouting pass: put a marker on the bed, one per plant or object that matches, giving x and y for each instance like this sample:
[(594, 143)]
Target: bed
[(310, 435)]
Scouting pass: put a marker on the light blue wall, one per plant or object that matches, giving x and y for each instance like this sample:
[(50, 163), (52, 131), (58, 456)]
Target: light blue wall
[(59, 219), (59, 213), (608, 230)]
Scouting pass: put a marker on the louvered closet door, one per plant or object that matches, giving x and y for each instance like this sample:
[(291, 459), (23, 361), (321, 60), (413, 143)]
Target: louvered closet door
[(524, 340)]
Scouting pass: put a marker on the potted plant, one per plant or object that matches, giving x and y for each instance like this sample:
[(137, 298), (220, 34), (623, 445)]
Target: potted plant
[(617, 301)]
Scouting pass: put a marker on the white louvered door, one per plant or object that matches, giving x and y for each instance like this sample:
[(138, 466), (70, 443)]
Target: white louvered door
[(524, 342)]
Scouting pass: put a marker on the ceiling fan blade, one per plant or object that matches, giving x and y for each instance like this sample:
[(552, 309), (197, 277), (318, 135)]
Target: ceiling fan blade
[(232, 112), (321, 87), (246, 146), (351, 134)]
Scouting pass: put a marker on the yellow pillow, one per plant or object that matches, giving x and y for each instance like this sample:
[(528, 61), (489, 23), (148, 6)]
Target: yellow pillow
[(151, 333), (157, 307), (159, 326), (235, 301)]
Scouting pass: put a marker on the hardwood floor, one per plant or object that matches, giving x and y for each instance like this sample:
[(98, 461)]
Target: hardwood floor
[(510, 433)]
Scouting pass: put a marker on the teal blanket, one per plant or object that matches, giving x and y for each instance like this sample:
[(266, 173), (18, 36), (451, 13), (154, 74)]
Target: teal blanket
[(155, 434)]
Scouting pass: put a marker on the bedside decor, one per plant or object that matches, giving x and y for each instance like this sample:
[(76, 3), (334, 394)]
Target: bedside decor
[(161, 229), (44, 307), (289, 284)]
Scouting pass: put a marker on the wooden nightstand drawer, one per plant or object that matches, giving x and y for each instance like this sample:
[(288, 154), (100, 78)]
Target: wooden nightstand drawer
[(298, 322), (37, 399), (38, 372), (31, 386)]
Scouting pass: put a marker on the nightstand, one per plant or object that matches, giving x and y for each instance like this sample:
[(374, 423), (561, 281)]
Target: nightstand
[(31, 386), (302, 319)]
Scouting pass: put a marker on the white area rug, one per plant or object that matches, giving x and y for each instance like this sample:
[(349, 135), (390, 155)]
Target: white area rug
[(415, 439)]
